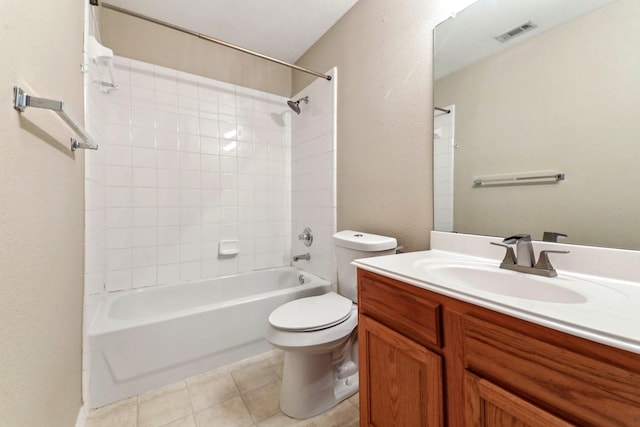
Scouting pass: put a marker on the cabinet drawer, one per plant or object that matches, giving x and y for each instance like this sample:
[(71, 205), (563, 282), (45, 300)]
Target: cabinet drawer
[(578, 388), (400, 307)]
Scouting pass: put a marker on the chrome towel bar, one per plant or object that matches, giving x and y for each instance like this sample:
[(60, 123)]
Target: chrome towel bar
[(22, 100), (538, 177)]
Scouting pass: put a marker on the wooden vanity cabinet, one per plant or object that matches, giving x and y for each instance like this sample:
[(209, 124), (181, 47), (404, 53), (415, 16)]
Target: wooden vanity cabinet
[(430, 360), (402, 384)]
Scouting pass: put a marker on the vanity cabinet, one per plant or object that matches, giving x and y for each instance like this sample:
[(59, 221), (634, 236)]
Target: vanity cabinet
[(403, 386), (489, 405), (428, 360)]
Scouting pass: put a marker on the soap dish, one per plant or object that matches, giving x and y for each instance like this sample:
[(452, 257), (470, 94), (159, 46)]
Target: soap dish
[(228, 247)]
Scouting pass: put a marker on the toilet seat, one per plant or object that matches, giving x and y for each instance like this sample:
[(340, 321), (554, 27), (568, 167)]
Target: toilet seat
[(311, 313)]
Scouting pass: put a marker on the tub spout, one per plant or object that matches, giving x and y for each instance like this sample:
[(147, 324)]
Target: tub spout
[(306, 256)]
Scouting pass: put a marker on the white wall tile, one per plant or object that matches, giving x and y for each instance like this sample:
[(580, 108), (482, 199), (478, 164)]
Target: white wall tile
[(142, 97), (189, 271), (210, 163), (167, 140), (119, 217), (168, 254), (143, 137), (144, 276), (145, 197), (145, 237), (169, 178), (118, 280), (168, 235), (145, 217), (168, 274), (119, 259), (168, 216), (190, 161), (144, 257), (143, 177), (167, 120), (179, 171), (119, 238), (144, 157), (143, 118), (209, 128)]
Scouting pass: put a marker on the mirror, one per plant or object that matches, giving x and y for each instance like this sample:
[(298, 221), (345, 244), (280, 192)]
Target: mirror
[(559, 99)]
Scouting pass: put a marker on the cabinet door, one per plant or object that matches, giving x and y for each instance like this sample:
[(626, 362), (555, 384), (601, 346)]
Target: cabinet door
[(400, 380), (487, 405)]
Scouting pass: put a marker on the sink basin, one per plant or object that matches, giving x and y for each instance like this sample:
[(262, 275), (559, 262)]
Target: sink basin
[(490, 278)]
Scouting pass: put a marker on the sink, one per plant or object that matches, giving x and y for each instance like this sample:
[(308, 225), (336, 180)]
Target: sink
[(485, 277)]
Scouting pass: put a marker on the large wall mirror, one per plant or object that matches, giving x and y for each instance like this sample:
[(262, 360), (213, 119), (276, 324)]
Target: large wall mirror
[(539, 131)]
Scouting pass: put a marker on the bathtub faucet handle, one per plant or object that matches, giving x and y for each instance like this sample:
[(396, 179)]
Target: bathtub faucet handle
[(306, 237)]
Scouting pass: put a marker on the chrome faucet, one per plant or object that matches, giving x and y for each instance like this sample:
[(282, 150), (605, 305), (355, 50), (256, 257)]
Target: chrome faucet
[(306, 256), (524, 249), (523, 260)]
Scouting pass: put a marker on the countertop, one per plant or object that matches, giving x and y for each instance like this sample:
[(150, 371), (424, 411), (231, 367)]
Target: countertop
[(610, 314)]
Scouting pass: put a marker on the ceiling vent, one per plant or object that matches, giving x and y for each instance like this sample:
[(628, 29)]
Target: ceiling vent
[(515, 32)]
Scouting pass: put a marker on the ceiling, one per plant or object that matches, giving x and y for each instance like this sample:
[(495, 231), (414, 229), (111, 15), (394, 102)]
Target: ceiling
[(469, 35), (282, 29)]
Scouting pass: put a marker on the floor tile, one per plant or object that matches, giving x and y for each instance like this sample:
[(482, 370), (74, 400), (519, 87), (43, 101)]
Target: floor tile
[(281, 420), (121, 414), (225, 414), (164, 409), (188, 421), (276, 360), (263, 402), (254, 376), (343, 415), (355, 400), (171, 388), (208, 390), (246, 393), (245, 362)]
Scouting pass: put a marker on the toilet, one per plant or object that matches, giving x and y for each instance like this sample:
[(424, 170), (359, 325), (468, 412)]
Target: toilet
[(319, 334)]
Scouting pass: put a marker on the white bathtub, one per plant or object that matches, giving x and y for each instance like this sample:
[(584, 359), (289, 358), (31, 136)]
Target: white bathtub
[(144, 339)]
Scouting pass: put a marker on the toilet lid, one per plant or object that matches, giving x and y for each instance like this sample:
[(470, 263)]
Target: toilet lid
[(312, 313)]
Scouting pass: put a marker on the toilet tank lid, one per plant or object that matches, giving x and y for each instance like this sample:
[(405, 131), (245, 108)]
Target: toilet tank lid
[(363, 241)]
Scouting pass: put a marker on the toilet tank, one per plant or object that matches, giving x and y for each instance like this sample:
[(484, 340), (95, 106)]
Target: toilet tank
[(351, 245)]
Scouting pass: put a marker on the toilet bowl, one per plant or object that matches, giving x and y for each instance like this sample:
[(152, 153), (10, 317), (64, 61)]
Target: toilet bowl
[(319, 334), (320, 369)]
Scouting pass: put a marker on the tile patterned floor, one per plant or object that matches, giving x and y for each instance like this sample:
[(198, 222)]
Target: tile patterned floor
[(243, 394)]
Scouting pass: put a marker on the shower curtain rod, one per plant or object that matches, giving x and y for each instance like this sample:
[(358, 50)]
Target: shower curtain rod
[(208, 38)]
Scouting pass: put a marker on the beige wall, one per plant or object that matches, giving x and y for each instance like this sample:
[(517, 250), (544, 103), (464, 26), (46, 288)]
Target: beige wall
[(575, 109), (41, 217), (383, 53), (138, 39)]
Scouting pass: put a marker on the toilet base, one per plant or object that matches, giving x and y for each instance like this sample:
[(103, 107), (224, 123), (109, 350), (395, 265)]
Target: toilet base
[(311, 385)]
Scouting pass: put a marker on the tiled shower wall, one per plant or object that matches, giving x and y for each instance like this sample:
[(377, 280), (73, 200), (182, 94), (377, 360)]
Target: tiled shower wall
[(313, 169), (184, 162), (443, 154)]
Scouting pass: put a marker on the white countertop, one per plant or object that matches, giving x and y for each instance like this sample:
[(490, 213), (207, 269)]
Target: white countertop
[(610, 315)]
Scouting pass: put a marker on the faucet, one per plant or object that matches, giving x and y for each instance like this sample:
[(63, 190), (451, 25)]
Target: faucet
[(306, 256), (523, 260), (524, 249)]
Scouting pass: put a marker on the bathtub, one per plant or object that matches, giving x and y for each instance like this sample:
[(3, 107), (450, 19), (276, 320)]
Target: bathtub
[(144, 339)]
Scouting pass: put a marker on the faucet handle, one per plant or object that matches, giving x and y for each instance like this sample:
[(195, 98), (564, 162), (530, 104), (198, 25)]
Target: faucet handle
[(552, 236), (306, 236), (543, 261), (509, 256)]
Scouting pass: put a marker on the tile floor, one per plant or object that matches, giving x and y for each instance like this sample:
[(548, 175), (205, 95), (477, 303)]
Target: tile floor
[(245, 393)]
